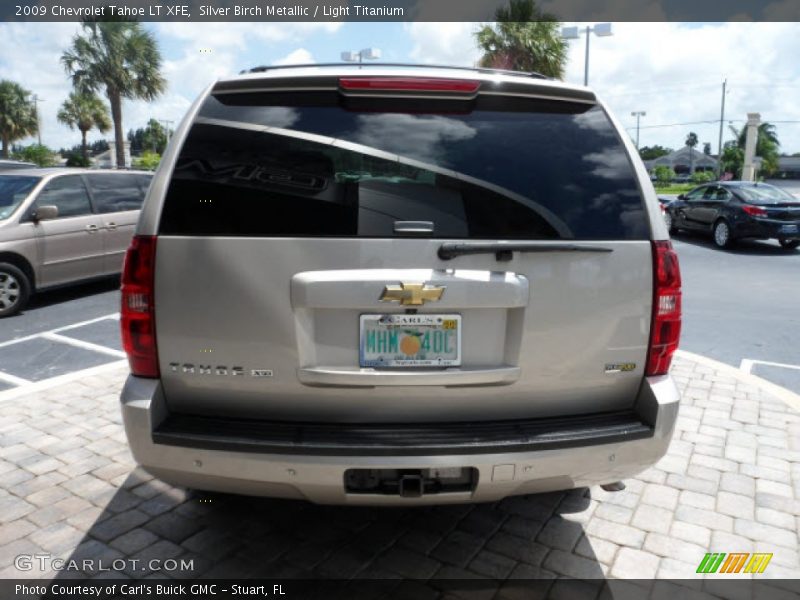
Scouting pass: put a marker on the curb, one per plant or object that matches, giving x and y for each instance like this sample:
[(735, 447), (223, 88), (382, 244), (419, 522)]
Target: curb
[(782, 393)]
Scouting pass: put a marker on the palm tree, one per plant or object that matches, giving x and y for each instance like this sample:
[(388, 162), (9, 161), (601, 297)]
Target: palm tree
[(766, 133), (767, 145), (84, 111), (691, 141), (18, 116), (120, 57), (523, 39)]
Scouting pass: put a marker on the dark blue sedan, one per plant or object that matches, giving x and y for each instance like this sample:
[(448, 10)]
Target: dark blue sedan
[(732, 210)]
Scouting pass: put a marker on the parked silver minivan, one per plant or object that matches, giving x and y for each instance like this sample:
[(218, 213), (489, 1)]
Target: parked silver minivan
[(61, 226), (399, 285)]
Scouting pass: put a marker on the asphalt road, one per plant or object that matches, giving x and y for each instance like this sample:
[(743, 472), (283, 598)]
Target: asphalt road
[(742, 304)]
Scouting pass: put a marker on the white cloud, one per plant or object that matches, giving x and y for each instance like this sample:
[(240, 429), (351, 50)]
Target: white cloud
[(31, 57), (301, 56), (674, 72), (444, 43), (195, 54), (238, 35)]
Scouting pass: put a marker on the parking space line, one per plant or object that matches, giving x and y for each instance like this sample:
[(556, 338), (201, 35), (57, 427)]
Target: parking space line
[(82, 323), (34, 336), (55, 337), (747, 364), (13, 380)]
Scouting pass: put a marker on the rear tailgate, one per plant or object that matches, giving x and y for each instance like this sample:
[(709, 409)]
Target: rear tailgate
[(291, 217)]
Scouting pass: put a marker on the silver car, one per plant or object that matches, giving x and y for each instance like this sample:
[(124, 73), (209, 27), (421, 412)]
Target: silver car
[(399, 285), (61, 226)]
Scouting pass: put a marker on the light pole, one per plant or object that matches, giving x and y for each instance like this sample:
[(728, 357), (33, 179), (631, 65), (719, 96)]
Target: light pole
[(361, 55), (721, 119), (166, 123), (638, 114), (572, 33), (36, 100)]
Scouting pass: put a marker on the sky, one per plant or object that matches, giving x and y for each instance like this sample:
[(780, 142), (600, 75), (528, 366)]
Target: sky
[(672, 71)]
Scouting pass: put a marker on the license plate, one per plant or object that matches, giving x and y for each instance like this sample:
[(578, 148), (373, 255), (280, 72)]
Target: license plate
[(788, 228), (410, 341)]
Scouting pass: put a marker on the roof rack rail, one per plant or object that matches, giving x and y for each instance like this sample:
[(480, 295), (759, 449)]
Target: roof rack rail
[(265, 68)]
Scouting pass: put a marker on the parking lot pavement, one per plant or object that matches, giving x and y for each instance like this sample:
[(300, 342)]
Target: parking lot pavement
[(66, 349), (730, 483)]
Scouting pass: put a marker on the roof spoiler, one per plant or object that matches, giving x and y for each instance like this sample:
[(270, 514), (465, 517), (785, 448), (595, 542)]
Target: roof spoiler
[(265, 68)]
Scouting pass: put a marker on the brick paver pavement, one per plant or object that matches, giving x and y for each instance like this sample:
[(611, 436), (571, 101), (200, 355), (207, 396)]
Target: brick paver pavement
[(730, 483)]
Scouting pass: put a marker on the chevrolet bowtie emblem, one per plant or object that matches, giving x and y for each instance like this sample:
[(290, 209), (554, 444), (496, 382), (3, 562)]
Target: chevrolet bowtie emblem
[(412, 294)]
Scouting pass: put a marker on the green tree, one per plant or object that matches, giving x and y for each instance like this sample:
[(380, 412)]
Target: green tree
[(121, 58), (18, 118), (651, 152), (767, 146), (36, 153), (147, 161), (84, 112), (76, 159), (664, 175), (732, 159), (707, 148), (524, 38), (152, 138), (94, 148), (699, 177)]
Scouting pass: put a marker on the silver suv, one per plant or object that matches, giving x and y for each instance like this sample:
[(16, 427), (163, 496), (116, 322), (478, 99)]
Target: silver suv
[(62, 226), (399, 285)]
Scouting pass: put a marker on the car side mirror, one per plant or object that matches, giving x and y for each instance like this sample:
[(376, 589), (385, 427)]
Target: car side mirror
[(44, 213), (681, 196)]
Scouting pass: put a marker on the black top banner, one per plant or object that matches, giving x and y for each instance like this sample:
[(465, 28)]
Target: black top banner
[(395, 10)]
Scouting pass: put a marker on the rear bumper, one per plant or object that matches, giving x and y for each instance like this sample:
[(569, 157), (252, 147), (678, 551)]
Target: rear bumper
[(768, 228), (507, 462)]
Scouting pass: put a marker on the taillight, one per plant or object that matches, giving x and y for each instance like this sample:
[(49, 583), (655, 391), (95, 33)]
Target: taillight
[(665, 330), (410, 84), (137, 316), (754, 211)]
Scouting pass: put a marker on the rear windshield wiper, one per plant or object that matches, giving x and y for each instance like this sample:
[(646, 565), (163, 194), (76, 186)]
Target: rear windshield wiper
[(505, 251)]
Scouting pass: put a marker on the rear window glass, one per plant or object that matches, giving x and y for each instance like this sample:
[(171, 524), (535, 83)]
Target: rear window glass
[(13, 190), (765, 194), (310, 165)]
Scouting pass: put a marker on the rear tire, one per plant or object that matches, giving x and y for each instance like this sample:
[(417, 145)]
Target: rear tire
[(789, 244), (15, 290), (722, 234)]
